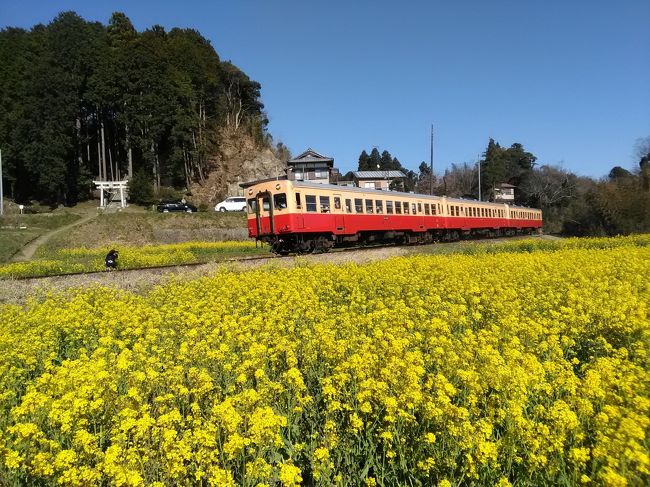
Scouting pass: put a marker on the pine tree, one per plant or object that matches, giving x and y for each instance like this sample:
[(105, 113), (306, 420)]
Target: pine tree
[(364, 161)]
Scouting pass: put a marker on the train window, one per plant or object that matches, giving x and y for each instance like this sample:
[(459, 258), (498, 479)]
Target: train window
[(368, 206), (310, 201), (324, 204), (398, 207), (457, 210), (358, 205), (433, 209), (414, 209), (337, 202), (298, 204), (280, 201), (406, 207), (452, 211), (266, 203), (348, 206), (379, 206), (427, 210), (389, 207), (419, 207), (252, 205)]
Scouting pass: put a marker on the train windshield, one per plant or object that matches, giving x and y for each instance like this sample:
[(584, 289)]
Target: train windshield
[(252, 205), (280, 201)]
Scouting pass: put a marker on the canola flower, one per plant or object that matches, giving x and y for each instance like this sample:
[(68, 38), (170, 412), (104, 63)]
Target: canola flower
[(67, 261), (502, 369)]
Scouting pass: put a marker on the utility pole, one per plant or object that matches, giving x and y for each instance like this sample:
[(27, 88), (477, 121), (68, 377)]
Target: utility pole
[(431, 166), (479, 177), (2, 207)]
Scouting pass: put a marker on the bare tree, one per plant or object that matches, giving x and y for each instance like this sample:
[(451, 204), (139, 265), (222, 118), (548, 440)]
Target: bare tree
[(461, 180), (549, 185)]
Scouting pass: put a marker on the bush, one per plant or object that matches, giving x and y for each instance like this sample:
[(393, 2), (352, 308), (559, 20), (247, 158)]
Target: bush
[(141, 188)]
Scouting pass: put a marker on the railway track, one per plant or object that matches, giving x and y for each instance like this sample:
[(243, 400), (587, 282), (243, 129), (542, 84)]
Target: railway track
[(147, 268), (186, 265), (196, 264)]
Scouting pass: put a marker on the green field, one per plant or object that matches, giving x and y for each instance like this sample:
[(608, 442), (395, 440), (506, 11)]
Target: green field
[(17, 230)]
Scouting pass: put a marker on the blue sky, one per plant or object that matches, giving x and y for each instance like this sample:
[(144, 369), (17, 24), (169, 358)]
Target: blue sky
[(570, 80)]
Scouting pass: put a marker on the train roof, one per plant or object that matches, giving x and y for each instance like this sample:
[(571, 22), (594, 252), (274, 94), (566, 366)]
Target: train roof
[(355, 189)]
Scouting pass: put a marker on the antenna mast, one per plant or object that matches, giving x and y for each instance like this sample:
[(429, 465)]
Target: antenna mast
[(431, 166)]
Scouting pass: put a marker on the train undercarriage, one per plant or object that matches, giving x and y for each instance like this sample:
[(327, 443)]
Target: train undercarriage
[(304, 243)]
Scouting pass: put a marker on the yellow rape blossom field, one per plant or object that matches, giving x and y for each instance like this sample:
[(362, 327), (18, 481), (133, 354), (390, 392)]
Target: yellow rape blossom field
[(522, 368), (81, 259)]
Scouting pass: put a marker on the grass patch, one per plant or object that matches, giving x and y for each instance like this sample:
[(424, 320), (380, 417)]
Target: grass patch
[(148, 228), (17, 230)]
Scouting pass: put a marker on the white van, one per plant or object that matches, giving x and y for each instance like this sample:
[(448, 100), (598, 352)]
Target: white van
[(234, 203)]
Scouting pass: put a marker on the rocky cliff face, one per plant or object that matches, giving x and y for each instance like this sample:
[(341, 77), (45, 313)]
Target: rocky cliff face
[(238, 161)]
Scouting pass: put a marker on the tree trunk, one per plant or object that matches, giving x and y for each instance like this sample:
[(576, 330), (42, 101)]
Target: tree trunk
[(129, 151), (80, 157), (100, 174), (110, 163), (156, 167), (188, 169), (103, 147)]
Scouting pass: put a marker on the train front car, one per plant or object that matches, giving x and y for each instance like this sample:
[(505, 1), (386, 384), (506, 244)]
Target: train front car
[(274, 215)]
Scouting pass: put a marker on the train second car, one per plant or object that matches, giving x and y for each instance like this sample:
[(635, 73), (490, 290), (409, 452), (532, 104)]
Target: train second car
[(299, 216)]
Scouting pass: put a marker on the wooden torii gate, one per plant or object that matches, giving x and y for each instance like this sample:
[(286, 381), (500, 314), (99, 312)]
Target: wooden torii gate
[(112, 186)]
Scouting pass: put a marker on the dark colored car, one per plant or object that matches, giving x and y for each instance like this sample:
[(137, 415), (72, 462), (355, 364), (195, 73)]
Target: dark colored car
[(167, 206)]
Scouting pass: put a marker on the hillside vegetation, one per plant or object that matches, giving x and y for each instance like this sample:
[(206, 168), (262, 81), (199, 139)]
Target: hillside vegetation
[(81, 101)]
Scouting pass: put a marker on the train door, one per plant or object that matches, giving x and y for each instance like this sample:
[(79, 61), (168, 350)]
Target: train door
[(299, 220), (339, 218), (265, 213)]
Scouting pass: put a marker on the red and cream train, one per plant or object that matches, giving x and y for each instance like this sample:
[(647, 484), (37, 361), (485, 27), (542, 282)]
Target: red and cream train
[(299, 216)]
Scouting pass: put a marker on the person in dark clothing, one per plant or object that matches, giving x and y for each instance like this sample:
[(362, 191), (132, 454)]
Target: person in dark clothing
[(111, 260)]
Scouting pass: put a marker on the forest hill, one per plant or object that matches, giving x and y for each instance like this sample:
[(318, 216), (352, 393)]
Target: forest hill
[(83, 100)]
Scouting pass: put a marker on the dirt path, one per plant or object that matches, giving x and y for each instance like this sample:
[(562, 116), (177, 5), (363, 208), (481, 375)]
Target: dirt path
[(143, 280), (28, 251)]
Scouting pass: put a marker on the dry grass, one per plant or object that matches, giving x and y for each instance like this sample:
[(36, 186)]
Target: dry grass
[(135, 227)]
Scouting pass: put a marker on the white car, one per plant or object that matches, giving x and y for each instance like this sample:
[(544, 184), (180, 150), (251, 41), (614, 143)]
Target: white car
[(234, 203)]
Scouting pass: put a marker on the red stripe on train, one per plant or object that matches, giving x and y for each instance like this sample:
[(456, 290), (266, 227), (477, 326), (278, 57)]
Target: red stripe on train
[(350, 224)]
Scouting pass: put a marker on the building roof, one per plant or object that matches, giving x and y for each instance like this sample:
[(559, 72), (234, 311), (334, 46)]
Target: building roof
[(505, 185), (378, 174), (310, 155)]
